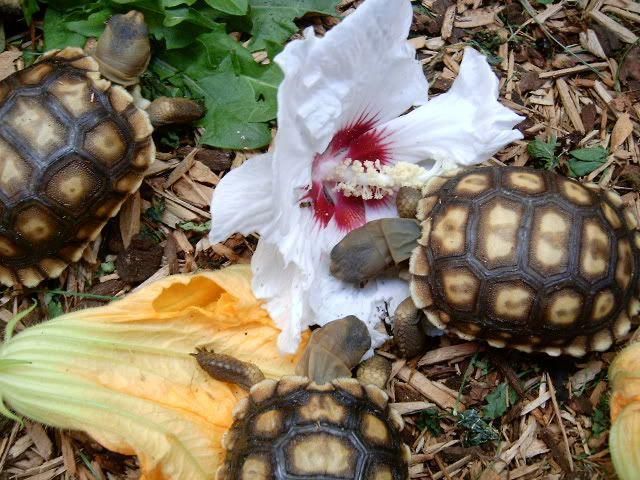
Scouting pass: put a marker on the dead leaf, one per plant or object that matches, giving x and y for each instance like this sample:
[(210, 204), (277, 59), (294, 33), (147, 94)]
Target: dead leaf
[(579, 379), (621, 130), (7, 65)]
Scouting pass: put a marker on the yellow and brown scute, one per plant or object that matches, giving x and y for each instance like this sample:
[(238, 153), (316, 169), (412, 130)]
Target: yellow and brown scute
[(72, 148), (294, 428), (528, 259)]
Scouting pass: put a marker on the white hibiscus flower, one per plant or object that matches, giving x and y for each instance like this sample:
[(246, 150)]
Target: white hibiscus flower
[(344, 97)]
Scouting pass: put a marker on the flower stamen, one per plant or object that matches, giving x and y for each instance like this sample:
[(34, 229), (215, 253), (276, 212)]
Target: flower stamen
[(372, 180)]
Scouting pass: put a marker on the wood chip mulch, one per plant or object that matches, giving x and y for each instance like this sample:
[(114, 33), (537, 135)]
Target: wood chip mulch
[(572, 68)]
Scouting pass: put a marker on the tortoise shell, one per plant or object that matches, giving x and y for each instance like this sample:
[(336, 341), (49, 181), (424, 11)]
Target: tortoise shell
[(526, 258), (295, 428), (72, 148)]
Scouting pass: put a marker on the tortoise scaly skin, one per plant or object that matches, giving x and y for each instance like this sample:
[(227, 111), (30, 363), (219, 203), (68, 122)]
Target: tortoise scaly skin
[(73, 147), (522, 258), (296, 429)]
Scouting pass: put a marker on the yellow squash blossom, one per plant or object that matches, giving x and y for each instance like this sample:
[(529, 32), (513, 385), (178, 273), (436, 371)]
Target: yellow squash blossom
[(123, 372), (624, 437)]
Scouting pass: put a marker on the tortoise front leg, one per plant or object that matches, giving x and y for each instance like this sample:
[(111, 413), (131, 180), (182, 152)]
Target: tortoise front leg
[(174, 111), (408, 332), (374, 371), (228, 369)]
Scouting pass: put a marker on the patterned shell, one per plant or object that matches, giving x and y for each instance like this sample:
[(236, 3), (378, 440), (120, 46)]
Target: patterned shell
[(527, 258), (295, 428), (72, 148)]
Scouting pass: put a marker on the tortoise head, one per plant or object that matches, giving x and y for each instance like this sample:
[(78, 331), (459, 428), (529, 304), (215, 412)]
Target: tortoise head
[(123, 50), (369, 250), (334, 350)]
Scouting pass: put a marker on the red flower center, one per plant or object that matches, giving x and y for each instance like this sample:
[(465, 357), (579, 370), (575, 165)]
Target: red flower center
[(357, 141)]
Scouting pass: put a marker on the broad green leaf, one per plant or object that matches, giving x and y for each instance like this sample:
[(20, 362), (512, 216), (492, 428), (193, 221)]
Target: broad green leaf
[(56, 34), (195, 53), (593, 154), (499, 401), (265, 86), (232, 7), (232, 108), (176, 3), (201, 17), (544, 151), (212, 48), (272, 20), (93, 26), (585, 160)]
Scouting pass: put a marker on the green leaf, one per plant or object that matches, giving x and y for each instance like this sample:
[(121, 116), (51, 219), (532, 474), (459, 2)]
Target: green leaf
[(56, 34), (593, 154), (499, 401), (544, 2), (273, 20), (195, 227), (234, 117), (156, 210), (54, 306), (196, 56), (586, 160), (476, 430), (29, 7), (107, 267), (232, 7), (213, 47), (93, 26), (430, 419), (544, 151), (601, 420)]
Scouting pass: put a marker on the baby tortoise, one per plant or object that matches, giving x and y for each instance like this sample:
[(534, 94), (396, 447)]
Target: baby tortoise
[(521, 258), (73, 147), (323, 425)]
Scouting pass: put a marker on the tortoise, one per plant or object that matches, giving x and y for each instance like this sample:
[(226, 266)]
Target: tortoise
[(518, 257), (73, 147), (322, 424)]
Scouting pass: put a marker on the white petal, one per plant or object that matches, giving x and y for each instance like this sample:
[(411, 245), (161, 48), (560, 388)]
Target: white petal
[(283, 288), (302, 293), (331, 299), (362, 66), (464, 126), (242, 201)]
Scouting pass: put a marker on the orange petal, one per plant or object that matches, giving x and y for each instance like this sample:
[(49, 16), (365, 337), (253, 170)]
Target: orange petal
[(124, 373)]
